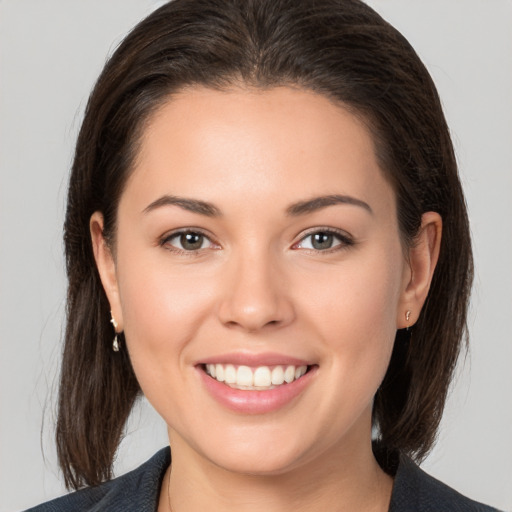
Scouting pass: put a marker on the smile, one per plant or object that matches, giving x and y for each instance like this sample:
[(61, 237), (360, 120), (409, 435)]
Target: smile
[(258, 378), (256, 384)]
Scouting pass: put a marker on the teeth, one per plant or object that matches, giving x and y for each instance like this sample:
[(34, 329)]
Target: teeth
[(277, 375), (289, 374), (244, 376), (230, 374), (262, 377), (219, 371), (299, 372)]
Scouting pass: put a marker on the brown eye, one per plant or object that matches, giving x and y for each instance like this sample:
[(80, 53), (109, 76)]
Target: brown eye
[(191, 241)]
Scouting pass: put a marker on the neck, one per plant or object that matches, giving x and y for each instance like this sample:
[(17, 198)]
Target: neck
[(351, 479)]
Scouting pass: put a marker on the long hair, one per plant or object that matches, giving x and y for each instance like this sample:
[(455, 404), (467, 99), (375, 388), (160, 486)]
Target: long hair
[(338, 48)]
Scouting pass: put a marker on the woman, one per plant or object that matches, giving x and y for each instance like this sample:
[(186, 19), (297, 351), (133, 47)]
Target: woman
[(263, 218)]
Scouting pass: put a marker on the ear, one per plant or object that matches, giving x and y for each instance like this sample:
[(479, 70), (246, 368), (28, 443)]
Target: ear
[(423, 256), (106, 267)]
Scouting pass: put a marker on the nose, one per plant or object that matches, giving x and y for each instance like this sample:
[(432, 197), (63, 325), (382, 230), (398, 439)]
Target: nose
[(254, 295)]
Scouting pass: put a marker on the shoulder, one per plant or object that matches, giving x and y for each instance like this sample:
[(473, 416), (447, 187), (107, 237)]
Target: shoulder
[(137, 490), (416, 490)]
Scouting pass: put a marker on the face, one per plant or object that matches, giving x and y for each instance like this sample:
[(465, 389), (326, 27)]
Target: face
[(258, 276)]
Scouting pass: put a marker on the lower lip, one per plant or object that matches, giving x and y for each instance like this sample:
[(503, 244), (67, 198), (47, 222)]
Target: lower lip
[(253, 401)]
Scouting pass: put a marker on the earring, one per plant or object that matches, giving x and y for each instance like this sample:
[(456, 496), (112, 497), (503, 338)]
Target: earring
[(113, 321), (115, 343), (407, 316)]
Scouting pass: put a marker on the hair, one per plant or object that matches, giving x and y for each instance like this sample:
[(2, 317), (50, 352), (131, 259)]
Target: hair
[(341, 49)]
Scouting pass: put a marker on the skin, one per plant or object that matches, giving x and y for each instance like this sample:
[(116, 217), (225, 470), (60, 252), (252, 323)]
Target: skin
[(258, 285)]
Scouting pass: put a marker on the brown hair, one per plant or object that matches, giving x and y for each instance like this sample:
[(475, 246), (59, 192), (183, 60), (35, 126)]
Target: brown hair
[(338, 48)]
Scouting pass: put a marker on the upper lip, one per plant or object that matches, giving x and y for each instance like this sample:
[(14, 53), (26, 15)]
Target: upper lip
[(254, 360)]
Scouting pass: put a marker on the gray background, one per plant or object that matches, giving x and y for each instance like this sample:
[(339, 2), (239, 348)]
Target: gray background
[(50, 53)]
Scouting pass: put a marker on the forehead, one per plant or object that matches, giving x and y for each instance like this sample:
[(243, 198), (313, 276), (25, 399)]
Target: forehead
[(277, 144)]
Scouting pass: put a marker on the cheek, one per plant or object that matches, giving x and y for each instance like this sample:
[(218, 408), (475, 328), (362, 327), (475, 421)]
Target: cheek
[(362, 295), (354, 311), (163, 309)]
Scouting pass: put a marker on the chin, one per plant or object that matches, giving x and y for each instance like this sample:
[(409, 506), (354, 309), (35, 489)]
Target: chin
[(256, 463), (262, 450)]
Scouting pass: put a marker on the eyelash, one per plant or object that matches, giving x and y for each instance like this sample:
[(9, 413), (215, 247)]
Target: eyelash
[(344, 239), (164, 242)]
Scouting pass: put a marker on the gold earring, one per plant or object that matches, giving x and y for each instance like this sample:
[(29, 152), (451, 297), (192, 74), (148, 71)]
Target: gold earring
[(115, 343), (407, 317), (113, 321)]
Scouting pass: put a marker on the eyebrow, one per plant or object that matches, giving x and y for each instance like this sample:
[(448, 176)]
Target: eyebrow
[(296, 209), (317, 203), (191, 205)]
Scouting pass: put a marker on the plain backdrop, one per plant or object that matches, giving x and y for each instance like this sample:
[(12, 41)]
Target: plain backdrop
[(51, 51)]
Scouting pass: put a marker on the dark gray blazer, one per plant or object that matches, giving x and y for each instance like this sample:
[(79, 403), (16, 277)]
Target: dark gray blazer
[(137, 491)]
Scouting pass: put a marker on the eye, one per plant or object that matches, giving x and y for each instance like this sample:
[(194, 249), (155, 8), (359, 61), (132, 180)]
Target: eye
[(323, 240), (188, 241)]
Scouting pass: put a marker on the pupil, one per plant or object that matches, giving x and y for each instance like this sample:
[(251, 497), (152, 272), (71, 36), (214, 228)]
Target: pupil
[(322, 240), (191, 241)]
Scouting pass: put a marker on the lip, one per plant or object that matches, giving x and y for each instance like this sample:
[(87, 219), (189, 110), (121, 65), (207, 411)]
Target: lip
[(254, 401), (255, 360)]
